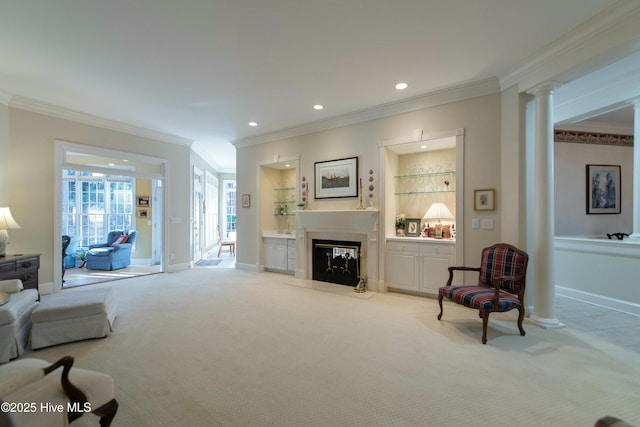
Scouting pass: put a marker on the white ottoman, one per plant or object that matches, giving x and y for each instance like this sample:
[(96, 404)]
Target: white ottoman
[(72, 316)]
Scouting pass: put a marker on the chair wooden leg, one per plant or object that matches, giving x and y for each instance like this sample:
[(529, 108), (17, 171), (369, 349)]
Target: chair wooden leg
[(440, 302), (106, 412), (485, 323), (520, 319)]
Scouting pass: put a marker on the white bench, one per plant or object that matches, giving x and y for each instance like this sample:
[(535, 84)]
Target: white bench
[(72, 316)]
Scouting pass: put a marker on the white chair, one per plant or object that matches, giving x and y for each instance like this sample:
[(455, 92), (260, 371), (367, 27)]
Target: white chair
[(44, 396), (15, 318), (230, 242)]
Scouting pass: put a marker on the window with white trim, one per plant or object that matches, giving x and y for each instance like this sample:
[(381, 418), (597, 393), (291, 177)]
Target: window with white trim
[(94, 204)]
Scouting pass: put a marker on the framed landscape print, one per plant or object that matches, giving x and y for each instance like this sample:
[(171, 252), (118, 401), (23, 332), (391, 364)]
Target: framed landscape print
[(336, 178), (603, 189)]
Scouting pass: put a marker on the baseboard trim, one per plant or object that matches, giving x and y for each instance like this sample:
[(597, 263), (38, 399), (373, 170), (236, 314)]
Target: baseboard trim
[(599, 300), (45, 288), (250, 267)]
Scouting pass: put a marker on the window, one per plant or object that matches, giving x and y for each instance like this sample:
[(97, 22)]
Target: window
[(229, 206), (94, 204)]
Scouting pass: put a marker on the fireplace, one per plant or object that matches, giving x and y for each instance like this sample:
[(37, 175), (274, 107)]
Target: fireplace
[(336, 261), (358, 228)]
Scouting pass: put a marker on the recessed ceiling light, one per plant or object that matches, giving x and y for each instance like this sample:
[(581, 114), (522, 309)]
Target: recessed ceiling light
[(402, 86), (423, 146), (253, 124), (287, 165), (318, 107)]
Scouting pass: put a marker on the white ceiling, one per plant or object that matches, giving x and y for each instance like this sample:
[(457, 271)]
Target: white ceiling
[(202, 69)]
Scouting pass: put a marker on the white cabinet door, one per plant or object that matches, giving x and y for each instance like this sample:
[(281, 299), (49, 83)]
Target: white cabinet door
[(269, 252), (402, 270), (281, 257), (435, 259), (434, 274)]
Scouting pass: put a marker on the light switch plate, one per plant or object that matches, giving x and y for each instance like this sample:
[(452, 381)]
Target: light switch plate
[(487, 224), (475, 223)]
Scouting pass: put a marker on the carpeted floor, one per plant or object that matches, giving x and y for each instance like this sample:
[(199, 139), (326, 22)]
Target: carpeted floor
[(225, 347)]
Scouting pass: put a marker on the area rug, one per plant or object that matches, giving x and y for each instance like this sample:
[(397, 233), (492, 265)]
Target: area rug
[(208, 262)]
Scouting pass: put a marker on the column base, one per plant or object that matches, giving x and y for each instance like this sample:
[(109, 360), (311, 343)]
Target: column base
[(545, 322), (634, 236)]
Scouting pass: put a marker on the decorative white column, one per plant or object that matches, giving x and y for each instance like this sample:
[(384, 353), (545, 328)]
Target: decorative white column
[(543, 227), (636, 170)]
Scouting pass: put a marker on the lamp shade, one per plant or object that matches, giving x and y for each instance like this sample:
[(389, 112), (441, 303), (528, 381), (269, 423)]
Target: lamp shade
[(438, 211), (6, 220)]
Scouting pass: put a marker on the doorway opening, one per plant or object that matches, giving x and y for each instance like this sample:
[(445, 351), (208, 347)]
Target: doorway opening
[(104, 194)]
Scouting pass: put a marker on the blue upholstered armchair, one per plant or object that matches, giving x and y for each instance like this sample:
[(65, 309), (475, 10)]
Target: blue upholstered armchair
[(112, 254)]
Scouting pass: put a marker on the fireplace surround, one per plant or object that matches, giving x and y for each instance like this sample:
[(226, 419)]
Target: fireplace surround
[(360, 226)]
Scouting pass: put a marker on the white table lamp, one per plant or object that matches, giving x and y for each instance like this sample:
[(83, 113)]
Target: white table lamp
[(438, 212), (6, 223)]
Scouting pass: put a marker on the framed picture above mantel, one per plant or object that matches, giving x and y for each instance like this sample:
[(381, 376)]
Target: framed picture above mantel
[(336, 178)]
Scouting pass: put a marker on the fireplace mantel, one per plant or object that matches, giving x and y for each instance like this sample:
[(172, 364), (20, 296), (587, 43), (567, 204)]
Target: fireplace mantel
[(356, 225), (363, 220)]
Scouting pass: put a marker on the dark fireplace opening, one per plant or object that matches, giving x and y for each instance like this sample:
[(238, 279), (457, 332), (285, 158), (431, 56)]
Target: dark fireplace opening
[(336, 261)]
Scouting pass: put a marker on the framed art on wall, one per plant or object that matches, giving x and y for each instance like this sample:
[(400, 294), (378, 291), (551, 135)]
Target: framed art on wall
[(484, 200), (143, 200), (246, 200), (336, 178), (603, 189)]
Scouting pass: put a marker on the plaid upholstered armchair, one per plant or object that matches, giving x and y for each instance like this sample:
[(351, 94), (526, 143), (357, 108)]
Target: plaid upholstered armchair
[(500, 286)]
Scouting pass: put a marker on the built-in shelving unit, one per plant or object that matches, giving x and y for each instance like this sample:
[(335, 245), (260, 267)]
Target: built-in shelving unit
[(425, 183)]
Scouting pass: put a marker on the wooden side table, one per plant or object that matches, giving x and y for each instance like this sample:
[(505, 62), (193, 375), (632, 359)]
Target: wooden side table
[(23, 267)]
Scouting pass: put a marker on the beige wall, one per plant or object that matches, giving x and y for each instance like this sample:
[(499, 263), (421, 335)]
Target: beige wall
[(571, 218), (4, 159), (480, 117), (31, 175)]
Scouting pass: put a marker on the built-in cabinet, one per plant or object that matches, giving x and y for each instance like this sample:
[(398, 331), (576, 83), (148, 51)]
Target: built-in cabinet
[(279, 254), (419, 265)]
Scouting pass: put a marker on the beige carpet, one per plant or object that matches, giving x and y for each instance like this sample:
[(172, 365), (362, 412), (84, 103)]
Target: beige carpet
[(222, 347)]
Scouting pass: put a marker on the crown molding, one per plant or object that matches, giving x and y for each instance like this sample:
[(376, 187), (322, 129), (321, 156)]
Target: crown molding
[(613, 33), (598, 127), (52, 110), (432, 99)]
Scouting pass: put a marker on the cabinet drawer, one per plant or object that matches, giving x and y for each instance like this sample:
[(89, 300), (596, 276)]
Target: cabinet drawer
[(7, 268), (437, 249), (27, 264), (403, 247)]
